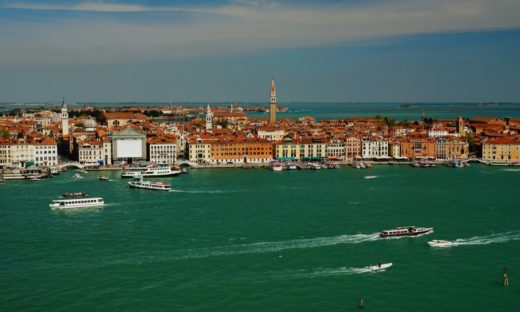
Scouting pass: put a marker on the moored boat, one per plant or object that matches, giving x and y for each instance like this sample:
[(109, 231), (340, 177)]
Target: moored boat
[(77, 203), (406, 231), (440, 243), (277, 166)]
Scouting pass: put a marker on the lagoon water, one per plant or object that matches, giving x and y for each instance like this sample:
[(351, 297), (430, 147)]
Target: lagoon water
[(258, 240)]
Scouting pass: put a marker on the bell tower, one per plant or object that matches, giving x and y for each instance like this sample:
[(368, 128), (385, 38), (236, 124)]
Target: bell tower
[(209, 119), (272, 104), (64, 119)]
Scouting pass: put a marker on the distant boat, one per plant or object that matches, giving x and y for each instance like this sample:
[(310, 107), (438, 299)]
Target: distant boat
[(379, 267), (370, 177), (78, 194), (405, 231), (440, 243), (102, 178)]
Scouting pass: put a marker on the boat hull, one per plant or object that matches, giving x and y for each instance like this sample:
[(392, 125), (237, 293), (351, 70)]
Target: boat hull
[(145, 187), (405, 232)]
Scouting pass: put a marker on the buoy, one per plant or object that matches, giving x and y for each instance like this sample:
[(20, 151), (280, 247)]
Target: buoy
[(506, 279), (361, 303)]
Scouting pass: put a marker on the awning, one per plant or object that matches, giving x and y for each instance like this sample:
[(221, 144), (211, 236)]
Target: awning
[(285, 158)]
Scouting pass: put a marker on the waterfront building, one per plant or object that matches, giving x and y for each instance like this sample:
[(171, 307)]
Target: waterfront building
[(22, 153), (417, 146), (352, 148), (394, 149), (162, 150), (307, 148), (375, 147), (64, 120), (270, 133), (128, 145), (451, 148), (95, 152), (199, 149), (272, 104), (237, 150), (209, 119), (335, 149), (501, 150)]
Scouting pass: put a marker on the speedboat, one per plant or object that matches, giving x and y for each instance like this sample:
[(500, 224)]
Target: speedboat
[(102, 178), (379, 267), (370, 177), (406, 231), (440, 243)]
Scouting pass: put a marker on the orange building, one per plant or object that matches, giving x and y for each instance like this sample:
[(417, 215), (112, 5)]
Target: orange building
[(241, 150), (417, 146)]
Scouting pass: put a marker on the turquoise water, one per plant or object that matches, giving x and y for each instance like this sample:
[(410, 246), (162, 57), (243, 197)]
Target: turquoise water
[(257, 240)]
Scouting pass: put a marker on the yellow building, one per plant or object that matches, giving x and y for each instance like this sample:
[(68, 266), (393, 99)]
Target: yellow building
[(501, 150), (304, 149)]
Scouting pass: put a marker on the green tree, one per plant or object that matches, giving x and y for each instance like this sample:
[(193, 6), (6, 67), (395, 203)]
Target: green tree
[(21, 135), (5, 134), (471, 143)]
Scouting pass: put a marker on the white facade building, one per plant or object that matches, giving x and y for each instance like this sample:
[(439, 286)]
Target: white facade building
[(95, 152), (271, 134), (162, 152), (374, 147)]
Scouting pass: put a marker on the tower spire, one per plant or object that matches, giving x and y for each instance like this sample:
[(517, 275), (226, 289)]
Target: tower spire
[(272, 103)]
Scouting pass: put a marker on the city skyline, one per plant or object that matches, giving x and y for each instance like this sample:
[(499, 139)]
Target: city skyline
[(226, 51)]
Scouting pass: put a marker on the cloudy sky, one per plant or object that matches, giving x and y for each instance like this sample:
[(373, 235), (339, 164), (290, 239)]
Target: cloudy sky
[(180, 50)]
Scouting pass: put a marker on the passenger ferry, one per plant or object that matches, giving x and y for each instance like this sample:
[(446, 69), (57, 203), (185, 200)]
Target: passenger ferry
[(77, 203), (149, 185), (405, 231), (150, 171)]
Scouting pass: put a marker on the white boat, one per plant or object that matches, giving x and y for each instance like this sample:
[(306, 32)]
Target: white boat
[(102, 178), (149, 185), (370, 177), (406, 231), (291, 166), (277, 166), (77, 203), (150, 171), (77, 176), (440, 243), (379, 267)]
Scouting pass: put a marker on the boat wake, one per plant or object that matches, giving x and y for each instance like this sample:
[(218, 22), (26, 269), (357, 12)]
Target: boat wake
[(343, 271), (489, 239), (265, 247), (511, 170), (371, 177), (201, 191)]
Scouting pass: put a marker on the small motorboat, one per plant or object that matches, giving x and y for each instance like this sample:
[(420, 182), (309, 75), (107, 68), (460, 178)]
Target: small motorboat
[(379, 267), (102, 178), (78, 194), (440, 243), (77, 176), (370, 177)]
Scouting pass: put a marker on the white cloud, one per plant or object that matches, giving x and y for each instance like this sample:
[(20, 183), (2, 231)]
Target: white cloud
[(239, 27)]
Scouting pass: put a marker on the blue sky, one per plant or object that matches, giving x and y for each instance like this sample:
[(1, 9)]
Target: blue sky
[(212, 51)]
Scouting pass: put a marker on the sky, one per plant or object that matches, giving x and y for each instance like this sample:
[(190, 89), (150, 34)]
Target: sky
[(229, 50)]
